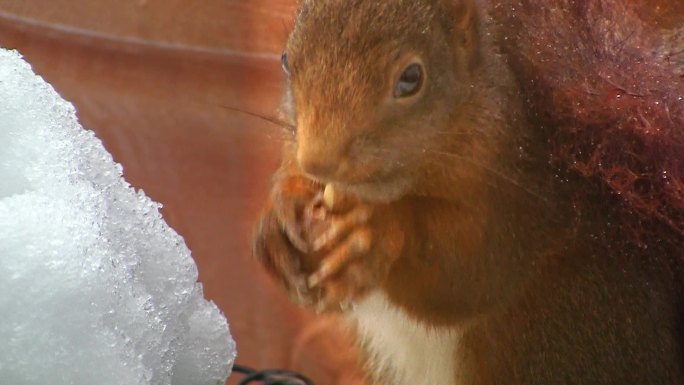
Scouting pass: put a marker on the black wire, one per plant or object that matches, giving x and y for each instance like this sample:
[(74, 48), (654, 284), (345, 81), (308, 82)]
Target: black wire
[(270, 376)]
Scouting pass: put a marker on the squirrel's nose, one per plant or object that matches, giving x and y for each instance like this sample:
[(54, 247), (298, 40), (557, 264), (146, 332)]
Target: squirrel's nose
[(318, 164)]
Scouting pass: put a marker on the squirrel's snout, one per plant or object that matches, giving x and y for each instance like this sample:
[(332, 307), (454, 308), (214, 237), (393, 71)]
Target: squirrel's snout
[(323, 165)]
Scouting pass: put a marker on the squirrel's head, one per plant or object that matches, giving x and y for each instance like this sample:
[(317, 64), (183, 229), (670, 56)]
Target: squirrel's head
[(374, 85)]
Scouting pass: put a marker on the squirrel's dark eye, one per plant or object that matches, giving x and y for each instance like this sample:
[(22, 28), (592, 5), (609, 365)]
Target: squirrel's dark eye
[(283, 61), (410, 81)]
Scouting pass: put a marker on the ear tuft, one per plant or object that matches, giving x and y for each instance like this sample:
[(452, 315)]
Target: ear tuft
[(465, 31)]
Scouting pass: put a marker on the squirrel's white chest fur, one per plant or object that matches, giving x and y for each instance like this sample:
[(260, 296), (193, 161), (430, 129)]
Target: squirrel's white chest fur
[(401, 350)]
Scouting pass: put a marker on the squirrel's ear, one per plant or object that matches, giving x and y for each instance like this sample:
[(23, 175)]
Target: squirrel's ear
[(465, 29)]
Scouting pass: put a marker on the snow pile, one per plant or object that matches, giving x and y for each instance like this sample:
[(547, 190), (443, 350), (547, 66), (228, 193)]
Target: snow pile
[(95, 288)]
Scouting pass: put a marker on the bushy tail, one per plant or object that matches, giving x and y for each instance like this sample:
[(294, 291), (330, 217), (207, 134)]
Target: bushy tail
[(606, 79)]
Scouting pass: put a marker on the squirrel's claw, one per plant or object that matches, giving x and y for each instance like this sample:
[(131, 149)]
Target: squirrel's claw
[(356, 245), (341, 226)]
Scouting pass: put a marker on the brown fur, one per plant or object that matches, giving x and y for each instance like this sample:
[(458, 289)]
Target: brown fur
[(531, 195)]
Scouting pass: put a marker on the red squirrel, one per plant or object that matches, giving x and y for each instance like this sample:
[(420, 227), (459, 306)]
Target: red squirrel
[(508, 184)]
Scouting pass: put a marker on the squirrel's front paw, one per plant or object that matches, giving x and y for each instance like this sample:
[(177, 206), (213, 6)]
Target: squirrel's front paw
[(279, 242), (355, 243), (325, 257)]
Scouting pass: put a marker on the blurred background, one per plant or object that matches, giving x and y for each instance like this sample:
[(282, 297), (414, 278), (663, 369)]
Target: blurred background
[(153, 79)]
